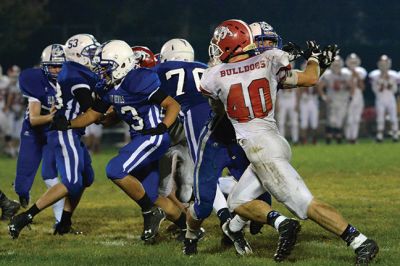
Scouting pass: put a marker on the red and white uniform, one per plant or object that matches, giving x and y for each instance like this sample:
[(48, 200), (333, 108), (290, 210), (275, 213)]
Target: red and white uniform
[(338, 94), (309, 111), (287, 107), (5, 121), (248, 91), (356, 105), (385, 88)]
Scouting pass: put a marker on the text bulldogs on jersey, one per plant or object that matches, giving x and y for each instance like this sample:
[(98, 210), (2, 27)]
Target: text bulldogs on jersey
[(242, 69)]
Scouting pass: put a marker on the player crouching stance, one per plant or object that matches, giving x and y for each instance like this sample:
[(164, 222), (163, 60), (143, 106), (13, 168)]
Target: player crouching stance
[(136, 98), (246, 83)]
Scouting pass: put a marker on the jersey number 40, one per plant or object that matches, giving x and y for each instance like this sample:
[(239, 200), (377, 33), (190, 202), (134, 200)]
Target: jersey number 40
[(244, 104)]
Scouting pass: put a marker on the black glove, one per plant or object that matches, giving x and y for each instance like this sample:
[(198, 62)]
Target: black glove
[(293, 50), (60, 123), (328, 56), (159, 130), (312, 50)]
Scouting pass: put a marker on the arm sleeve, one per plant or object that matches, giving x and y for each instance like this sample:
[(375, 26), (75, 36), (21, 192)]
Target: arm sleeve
[(84, 97), (100, 106), (158, 96)]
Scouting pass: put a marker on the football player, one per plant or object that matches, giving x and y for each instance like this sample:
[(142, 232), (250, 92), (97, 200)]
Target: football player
[(337, 82), (356, 106), (39, 86), (73, 96), (384, 85), (136, 98), (246, 84), (309, 112)]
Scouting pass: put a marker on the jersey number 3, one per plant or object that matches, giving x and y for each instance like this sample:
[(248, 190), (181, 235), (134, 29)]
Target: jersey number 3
[(244, 104)]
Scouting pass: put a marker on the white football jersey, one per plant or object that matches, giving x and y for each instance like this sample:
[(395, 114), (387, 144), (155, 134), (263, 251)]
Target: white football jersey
[(337, 85), (248, 90), (374, 74)]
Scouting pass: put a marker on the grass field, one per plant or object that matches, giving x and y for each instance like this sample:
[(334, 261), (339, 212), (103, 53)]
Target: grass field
[(362, 181)]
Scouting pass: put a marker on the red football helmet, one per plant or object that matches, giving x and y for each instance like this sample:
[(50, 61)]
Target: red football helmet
[(232, 37), (143, 56)]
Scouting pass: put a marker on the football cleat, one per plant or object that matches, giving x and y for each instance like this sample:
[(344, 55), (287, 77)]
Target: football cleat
[(18, 223), (181, 233), (241, 245), (9, 208), (24, 202), (151, 225), (366, 252), (190, 246), (288, 231), (65, 228)]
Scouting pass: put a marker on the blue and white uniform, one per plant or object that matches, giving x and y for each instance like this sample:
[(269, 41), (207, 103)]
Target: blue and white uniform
[(35, 85), (73, 159), (131, 101), (181, 80)]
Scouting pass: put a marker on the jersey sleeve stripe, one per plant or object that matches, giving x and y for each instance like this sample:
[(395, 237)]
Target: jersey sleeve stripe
[(78, 86)]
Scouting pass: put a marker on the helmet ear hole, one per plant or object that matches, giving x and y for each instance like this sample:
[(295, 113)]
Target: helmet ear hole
[(123, 65)]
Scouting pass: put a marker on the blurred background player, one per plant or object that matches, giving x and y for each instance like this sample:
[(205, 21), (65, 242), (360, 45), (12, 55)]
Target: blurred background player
[(309, 114), (337, 83), (38, 85), (287, 106), (384, 85), (8, 207), (356, 105), (93, 135)]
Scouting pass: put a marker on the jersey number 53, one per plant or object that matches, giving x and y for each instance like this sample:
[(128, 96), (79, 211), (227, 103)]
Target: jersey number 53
[(245, 104)]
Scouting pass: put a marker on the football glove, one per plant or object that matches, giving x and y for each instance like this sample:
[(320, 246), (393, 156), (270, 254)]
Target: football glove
[(328, 56), (293, 50), (60, 123), (312, 50), (159, 130)]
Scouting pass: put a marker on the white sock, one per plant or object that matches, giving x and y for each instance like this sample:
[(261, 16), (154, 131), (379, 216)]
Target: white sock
[(237, 223), (219, 201), (357, 241), (59, 205), (278, 221)]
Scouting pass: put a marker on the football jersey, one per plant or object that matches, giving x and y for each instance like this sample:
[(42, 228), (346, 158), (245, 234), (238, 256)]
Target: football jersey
[(374, 74), (337, 85), (362, 74), (181, 81), (248, 90), (384, 88), (35, 86), (72, 76), (130, 100)]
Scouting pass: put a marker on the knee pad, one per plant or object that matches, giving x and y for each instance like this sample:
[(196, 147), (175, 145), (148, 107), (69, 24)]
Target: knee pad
[(113, 171), (202, 210), (74, 190)]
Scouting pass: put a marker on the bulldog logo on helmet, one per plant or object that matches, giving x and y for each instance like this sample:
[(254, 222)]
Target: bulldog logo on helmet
[(221, 32)]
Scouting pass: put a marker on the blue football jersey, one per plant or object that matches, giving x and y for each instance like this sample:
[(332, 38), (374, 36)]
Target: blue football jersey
[(72, 76), (131, 100), (181, 80), (35, 84)]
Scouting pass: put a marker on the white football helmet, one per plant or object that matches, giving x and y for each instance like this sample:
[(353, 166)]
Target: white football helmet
[(262, 32), (384, 63), (81, 48), (52, 56), (353, 61), (113, 61), (337, 65), (177, 50)]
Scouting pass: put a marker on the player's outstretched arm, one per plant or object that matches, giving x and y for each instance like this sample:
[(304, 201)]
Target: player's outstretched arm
[(89, 117)]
